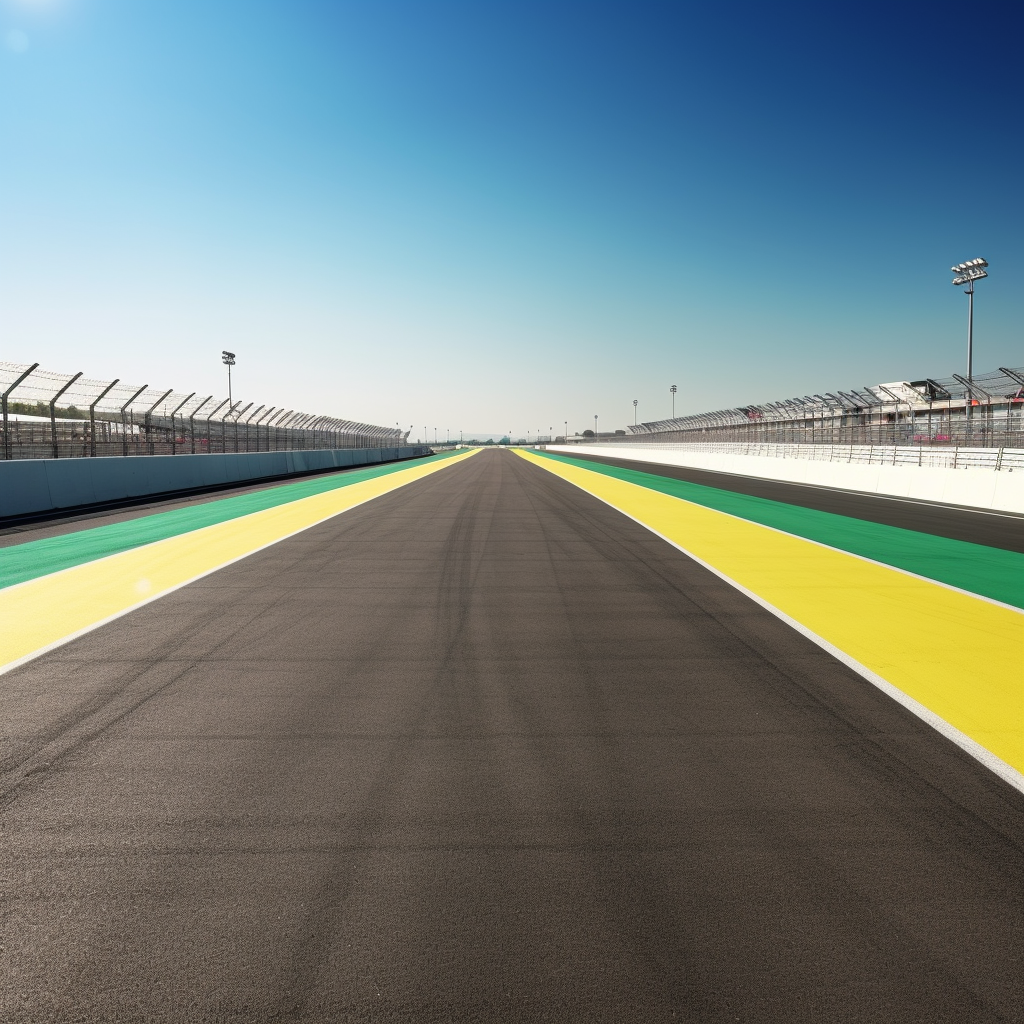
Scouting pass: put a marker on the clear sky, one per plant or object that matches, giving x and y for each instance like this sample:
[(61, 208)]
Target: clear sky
[(504, 215)]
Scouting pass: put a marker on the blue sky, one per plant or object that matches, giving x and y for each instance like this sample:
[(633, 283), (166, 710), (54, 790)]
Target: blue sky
[(492, 216)]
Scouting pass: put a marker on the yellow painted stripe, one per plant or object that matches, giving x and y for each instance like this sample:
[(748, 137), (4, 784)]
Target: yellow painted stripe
[(39, 614), (955, 654)]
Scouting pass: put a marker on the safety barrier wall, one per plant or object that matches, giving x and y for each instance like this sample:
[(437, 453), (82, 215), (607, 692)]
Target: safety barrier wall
[(33, 486), (997, 486)]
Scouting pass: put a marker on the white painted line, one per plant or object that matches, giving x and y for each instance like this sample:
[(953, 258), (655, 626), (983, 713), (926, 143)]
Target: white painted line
[(942, 506), (822, 544), (997, 765)]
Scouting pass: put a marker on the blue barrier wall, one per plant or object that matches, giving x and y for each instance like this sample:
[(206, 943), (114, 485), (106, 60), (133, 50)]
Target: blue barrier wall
[(31, 486)]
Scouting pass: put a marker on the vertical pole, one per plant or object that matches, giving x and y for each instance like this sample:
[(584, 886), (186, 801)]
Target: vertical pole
[(3, 402), (192, 423), (174, 432), (209, 430), (149, 414), (53, 414), (970, 354), (92, 418), (124, 421)]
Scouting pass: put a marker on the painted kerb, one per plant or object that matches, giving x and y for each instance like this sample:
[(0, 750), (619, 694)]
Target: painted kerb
[(976, 488)]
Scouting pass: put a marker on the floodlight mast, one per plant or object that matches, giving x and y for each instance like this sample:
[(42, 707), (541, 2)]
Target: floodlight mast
[(966, 274), (228, 359)]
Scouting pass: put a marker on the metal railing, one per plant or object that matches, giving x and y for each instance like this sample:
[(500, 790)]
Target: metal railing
[(1008, 459), (985, 412), (49, 415)]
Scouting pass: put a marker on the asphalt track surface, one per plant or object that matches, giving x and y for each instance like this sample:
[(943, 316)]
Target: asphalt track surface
[(486, 749)]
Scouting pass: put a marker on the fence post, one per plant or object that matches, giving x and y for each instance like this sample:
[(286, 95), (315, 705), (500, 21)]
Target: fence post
[(149, 412), (248, 420), (3, 403), (237, 415), (124, 423), (92, 417), (53, 414), (268, 416), (174, 432), (192, 422), (209, 431)]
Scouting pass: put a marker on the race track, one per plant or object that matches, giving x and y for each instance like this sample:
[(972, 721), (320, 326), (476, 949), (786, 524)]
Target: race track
[(477, 746)]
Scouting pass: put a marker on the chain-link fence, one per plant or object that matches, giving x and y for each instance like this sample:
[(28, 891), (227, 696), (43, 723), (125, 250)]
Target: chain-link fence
[(49, 415), (984, 412)]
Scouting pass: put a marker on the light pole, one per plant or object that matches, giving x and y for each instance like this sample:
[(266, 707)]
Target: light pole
[(967, 273), (673, 389), (595, 426), (634, 412), (228, 359), (566, 439)]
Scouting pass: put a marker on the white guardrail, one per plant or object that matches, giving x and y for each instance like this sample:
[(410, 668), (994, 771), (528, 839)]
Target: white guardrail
[(982, 478), (870, 454)]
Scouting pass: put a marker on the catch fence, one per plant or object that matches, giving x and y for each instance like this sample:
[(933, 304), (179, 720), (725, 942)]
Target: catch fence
[(984, 412), (50, 415)]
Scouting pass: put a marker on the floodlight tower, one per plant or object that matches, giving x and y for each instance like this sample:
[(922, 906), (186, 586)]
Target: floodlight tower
[(634, 412), (966, 274), (228, 359), (673, 389)]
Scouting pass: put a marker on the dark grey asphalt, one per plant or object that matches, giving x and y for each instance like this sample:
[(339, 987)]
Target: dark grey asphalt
[(998, 530), (480, 750)]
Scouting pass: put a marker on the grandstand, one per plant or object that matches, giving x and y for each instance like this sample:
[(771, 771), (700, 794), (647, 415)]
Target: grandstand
[(987, 411)]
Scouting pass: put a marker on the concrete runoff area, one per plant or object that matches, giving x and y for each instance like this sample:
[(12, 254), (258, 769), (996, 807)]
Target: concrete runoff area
[(484, 748)]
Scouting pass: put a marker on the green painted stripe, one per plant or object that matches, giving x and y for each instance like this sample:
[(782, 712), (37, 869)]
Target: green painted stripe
[(36, 558), (978, 568)]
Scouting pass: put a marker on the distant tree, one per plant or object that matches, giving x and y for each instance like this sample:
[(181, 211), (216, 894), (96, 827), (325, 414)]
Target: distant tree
[(588, 433), (620, 432)]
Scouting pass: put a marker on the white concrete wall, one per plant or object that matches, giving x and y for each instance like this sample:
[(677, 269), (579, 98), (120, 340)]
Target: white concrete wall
[(997, 490)]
